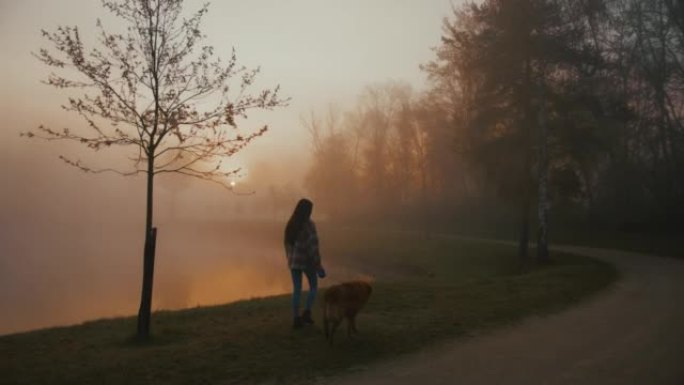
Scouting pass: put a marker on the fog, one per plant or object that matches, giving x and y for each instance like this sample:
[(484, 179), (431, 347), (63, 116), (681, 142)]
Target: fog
[(71, 244), (75, 254), (365, 133)]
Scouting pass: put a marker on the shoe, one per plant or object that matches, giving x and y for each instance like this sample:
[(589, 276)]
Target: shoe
[(298, 323), (306, 317)]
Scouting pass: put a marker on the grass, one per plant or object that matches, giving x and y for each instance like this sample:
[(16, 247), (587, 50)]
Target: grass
[(425, 291), (664, 245), (657, 242)]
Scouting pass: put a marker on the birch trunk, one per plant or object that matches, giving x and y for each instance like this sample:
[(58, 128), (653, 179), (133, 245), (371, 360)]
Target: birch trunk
[(543, 165)]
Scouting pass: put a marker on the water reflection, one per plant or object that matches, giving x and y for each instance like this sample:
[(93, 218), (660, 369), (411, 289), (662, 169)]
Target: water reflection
[(59, 274)]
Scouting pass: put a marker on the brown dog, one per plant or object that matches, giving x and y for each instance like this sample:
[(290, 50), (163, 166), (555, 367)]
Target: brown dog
[(344, 301)]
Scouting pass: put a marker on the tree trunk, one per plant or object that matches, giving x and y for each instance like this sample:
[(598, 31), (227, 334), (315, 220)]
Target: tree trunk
[(523, 241), (524, 237), (542, 209), (425, 203), (148, 259)]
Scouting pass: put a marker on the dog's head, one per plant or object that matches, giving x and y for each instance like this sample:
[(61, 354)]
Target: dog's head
[(365, 286)]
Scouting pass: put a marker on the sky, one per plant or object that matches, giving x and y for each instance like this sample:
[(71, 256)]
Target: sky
[(320, 52), (70, 242)]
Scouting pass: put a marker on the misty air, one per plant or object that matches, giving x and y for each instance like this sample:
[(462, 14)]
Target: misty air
[(308, 192)]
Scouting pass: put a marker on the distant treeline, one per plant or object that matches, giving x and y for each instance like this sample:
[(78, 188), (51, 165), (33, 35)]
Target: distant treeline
[(585, 94)]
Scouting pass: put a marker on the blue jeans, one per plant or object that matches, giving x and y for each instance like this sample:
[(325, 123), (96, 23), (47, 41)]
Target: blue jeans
[(297, 288)]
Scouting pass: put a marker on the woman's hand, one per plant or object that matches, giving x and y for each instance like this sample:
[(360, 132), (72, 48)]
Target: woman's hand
[(320, 272)]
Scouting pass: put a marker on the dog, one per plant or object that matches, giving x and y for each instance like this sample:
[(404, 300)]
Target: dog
[(344, 301)]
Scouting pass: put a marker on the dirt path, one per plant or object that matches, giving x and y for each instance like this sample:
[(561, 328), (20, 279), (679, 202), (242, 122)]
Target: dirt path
[(632, 333)]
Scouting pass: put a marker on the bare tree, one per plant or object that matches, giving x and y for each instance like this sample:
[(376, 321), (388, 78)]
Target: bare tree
[(331, 179), (155, 89)]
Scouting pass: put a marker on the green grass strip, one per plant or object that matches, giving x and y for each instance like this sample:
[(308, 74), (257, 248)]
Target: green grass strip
[(433, 290)]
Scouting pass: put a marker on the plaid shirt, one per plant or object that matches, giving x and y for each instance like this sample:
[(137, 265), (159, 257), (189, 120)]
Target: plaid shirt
[(304, 254)]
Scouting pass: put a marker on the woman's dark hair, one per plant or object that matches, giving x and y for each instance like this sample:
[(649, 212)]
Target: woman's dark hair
[(301, 215)]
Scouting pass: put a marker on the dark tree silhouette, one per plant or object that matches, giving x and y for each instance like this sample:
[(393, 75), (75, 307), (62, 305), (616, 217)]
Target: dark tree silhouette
[(155, 89)]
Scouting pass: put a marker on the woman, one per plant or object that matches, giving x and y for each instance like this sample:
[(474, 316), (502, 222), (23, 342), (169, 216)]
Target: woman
[(301, 248)]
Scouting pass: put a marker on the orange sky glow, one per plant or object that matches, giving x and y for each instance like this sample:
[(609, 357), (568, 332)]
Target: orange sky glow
[(320, 52)]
